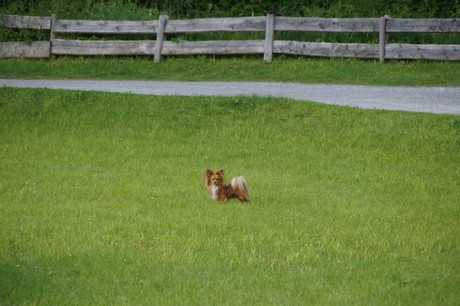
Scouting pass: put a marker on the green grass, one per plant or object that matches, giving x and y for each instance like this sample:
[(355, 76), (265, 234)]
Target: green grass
[(102, 201), (282, 69)]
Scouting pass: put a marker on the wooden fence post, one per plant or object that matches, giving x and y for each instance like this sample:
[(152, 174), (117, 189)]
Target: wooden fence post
[(52, 34), (383, 37), (269, 37), (160, 38)]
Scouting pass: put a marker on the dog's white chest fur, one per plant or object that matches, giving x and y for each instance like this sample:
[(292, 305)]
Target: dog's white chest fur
[(214, 190)]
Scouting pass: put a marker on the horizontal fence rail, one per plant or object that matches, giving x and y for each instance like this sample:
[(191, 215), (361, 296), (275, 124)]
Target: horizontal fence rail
[(159, 46)]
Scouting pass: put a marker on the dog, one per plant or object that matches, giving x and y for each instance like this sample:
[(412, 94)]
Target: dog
[(238, 188)]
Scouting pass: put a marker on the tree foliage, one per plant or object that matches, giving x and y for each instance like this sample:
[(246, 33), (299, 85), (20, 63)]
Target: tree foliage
[(308, 8), (145, 9)]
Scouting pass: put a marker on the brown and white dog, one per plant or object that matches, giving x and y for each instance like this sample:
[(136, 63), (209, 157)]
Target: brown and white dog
[(238, 188)]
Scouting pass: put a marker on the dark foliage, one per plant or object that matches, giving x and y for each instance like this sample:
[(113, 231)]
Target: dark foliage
[(237, 8)]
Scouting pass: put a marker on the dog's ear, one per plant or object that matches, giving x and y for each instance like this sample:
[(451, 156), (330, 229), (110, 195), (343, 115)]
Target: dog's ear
[(208, 175), (221, 173)]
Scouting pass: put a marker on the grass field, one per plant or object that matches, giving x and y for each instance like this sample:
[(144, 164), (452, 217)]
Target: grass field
[(102, 201), (251, 68)]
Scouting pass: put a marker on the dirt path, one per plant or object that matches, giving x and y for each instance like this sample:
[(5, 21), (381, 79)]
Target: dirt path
[(439, 100)]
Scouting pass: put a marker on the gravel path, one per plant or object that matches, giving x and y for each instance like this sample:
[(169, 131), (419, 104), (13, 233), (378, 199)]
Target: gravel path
[(439, 100)]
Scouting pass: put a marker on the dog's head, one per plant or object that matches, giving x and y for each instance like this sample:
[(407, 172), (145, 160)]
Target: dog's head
[(216, 179)]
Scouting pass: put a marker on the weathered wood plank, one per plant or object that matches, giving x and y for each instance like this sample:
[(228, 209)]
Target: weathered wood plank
[(269, 38), (249, 24), (431, 52), (383, 38), (327, 24), (80, 47), (28, 22), (326, 49), (423, 25), (160, 38), (38, 49), (105, 27), (214, 47), (52, 33)]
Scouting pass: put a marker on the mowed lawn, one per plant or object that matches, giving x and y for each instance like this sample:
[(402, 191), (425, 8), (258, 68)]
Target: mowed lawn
[(102, 201)]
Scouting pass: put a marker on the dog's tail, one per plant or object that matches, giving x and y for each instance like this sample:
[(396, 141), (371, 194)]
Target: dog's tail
[(240, 186)]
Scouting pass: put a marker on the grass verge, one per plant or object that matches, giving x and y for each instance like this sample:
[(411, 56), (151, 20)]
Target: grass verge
[(282, 69), (103, 202)]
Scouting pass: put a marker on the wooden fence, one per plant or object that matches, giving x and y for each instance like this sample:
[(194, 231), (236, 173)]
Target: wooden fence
[(159, 45)]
